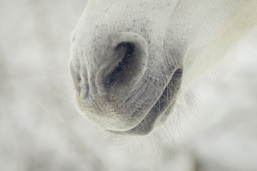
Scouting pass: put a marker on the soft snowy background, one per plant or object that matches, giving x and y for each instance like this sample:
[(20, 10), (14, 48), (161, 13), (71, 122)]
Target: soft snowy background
[(40, 129)]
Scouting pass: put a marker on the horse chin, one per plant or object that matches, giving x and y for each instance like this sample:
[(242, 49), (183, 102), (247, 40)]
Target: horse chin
[(160, 110)]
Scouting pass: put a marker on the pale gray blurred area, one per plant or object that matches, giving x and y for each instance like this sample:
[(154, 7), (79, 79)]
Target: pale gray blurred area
[(40, 129)]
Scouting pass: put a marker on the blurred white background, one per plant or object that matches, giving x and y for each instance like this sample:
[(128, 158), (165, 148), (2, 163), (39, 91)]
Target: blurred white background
[(40, 130)]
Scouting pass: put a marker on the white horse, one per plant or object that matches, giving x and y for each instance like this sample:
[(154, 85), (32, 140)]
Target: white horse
[(130, 59)]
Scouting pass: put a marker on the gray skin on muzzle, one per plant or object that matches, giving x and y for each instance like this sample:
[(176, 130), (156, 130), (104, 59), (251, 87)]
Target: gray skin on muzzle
[(126, 75)]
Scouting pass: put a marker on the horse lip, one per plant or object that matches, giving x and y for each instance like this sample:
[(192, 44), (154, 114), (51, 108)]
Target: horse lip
[(165, 102)]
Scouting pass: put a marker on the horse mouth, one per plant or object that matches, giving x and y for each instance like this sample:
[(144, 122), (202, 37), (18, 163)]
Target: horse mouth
[(160, 110)]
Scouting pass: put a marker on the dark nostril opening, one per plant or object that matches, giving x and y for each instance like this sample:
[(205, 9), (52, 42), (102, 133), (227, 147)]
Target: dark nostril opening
[(125, 67), (127, 62)]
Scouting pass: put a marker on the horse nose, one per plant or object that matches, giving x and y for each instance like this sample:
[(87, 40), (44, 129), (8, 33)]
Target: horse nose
[(128, 56)]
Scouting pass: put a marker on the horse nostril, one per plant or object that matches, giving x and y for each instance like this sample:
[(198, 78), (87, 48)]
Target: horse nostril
[(128, 62), (125, 67)]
